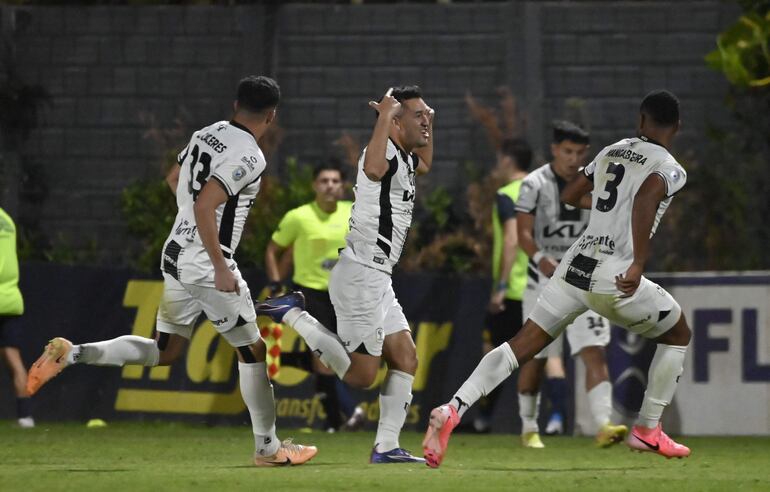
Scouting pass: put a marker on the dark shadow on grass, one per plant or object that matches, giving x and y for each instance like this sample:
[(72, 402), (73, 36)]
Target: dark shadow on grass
[(95, 470), (306, 465), (563, 470)]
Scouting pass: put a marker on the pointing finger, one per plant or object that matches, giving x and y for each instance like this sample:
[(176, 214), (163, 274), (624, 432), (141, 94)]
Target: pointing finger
[(390, 91)]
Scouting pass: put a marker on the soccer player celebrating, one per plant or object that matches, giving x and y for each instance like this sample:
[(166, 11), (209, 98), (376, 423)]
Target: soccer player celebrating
[(547, 227), (217, 180), (370, 322), (633, 182)]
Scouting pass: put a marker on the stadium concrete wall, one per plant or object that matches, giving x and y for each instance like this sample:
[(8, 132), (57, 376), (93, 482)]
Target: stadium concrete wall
[(725, 387), (116, 72)]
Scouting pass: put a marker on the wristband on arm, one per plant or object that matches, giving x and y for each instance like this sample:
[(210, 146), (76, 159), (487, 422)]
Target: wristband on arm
[(537, 257)]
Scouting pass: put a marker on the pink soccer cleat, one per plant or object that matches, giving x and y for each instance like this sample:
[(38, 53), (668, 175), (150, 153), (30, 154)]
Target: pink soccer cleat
[(655, 440), (443, 420)]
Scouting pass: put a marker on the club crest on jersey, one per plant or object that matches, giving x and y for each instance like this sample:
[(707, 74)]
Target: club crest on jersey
[(675, 175), (239, 173)]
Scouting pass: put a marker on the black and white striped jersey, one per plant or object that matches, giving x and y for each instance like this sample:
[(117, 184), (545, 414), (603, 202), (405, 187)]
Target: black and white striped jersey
[(557, 225), (382, 212), (228, 153), (606, 248)]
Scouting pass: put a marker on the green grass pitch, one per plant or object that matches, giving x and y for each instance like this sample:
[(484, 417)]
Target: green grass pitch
[(174, 456)]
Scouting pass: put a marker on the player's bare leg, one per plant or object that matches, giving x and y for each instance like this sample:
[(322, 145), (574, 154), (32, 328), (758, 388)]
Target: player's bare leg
[(12, 359), (665, 369), (493, 369)]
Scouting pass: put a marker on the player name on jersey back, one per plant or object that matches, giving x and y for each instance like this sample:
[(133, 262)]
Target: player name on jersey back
[(382, 211), (228, 153), (605, 249)]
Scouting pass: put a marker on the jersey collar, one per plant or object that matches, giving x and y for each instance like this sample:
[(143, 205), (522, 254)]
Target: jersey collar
[(649, 140), (241, 127), (404, 154)]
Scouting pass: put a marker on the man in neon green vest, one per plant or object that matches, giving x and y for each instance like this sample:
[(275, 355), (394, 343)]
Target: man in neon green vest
[(315, 232), (509, 262), (11, 307)]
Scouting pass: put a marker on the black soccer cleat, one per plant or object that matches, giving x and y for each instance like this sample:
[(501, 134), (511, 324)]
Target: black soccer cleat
[(277, 308)]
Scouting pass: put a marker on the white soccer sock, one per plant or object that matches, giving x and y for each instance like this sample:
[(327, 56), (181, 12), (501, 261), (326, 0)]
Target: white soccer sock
[(395, 398), (600, 402), (529, 410), (494, 367), (257, 393), (325, 344), (666, 367), (121, 351)]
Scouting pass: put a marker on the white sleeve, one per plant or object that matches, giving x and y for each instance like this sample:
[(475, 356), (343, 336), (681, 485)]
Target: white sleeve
[(673, 175), (182, 155), (528, 193), (390, 150), (239, 170), (589, 170)]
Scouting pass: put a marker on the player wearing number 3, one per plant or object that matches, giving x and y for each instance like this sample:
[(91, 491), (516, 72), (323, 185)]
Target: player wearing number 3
[(628, 187), (218, 177)]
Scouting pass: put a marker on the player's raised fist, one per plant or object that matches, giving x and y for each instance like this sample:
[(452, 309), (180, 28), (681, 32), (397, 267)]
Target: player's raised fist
[(388, 105)]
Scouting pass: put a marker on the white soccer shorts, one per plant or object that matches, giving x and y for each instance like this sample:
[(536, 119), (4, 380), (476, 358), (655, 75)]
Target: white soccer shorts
[(650, 312), (366, 306), (183, 303), (588, 330)]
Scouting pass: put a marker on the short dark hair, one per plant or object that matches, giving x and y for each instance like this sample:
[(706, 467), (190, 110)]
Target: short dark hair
[(662, 107), (257, 93), (406, 92), (328, 165), (519, 150), (566, 130), (403, 93)]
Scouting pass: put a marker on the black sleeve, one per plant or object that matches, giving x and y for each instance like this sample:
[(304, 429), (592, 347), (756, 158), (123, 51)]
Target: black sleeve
[(505, 208)]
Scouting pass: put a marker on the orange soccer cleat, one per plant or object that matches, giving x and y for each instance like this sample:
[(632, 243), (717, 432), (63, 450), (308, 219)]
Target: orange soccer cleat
[(50, 364), (288, 454)]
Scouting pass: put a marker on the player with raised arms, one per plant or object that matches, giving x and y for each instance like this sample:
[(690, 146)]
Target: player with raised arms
[(370, 322)]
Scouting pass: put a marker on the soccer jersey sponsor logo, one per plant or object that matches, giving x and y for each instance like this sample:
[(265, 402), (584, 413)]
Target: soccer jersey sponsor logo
[(564, 231), (605, 242), (580, 272), (186, 228)]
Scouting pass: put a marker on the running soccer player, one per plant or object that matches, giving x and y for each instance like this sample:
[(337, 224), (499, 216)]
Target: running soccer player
[(547, 227), (509, 262), (370, 322), (633, 182), (315, 232), (218, 178)]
